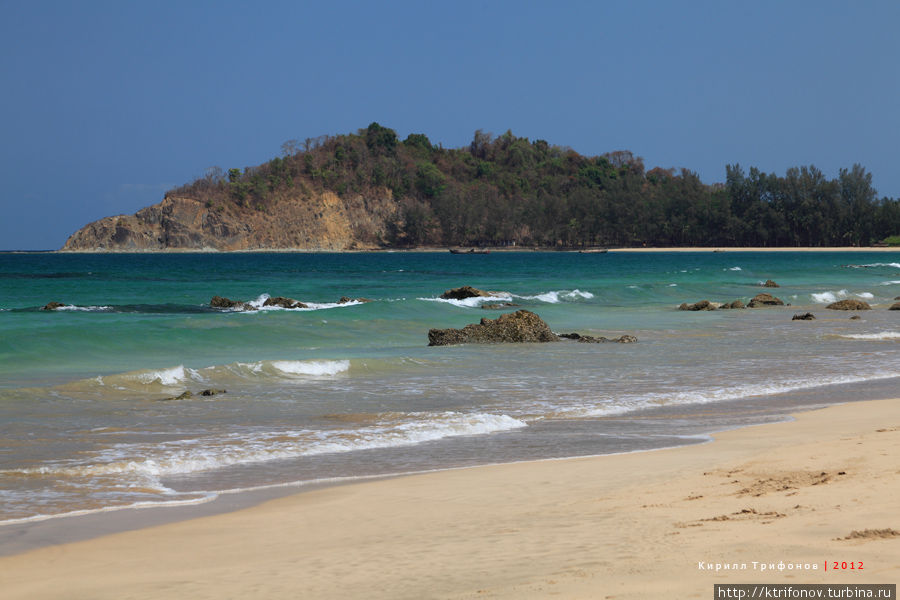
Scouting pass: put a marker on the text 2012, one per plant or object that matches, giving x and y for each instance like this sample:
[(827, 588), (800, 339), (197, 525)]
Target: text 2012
[(835, 565)]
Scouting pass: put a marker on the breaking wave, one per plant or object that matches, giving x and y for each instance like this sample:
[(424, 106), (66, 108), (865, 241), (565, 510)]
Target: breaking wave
[(884, 335), (149, 462), (551, 297)]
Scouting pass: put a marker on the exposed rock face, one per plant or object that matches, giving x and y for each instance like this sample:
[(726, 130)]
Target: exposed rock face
[(467, 291), (849, 305), (588, 339), (733, 305), (804, 317), (765, 300), (346, 299), (52, 306), (771, 284), (702, 305), (284, 302), (895, 306), (520, 326), (500, 306), (319, 221), (221, 302)]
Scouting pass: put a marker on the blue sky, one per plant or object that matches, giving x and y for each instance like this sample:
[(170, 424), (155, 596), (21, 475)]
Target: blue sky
[(105, 105)]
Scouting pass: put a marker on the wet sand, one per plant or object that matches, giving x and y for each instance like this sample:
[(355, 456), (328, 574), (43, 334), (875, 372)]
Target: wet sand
[(819, 489)]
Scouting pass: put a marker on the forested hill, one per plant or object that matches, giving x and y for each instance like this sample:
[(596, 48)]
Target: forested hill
[(506, 189)]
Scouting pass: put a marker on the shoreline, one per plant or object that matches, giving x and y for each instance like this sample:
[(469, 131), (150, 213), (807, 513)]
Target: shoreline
[(492, 249), (627, 526)]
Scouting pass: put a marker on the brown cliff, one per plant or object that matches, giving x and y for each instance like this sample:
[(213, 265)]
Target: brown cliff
[(318, 221)]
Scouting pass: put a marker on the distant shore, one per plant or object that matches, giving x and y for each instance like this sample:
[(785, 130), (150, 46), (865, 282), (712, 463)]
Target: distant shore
[(809, 492), (488, 248)]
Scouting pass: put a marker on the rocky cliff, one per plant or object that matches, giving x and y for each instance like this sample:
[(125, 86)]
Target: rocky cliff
[(320, 221)]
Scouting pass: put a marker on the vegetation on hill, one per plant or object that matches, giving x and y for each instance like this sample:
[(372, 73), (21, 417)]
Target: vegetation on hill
[(508, 190)]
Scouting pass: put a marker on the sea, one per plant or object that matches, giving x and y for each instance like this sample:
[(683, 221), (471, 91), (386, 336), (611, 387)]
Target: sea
[(90, 419)]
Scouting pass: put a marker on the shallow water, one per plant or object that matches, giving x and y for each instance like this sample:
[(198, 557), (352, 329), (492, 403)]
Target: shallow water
[(348, 390)]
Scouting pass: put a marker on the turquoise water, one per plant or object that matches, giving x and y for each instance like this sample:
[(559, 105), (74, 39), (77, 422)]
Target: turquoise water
[(350, 390)]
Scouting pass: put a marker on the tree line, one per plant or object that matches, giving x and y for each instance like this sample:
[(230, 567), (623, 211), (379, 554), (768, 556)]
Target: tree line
[(507, 190)]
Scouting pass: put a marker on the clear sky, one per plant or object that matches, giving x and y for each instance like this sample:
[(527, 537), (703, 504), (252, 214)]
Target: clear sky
[(106, 105)]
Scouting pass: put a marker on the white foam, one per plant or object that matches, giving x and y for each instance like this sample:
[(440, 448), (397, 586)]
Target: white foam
[(72, 307), (171, 376), (884, 335), (735, 269), (259, 304), (473, 301), (149, 462), (555, 297), (865, 295), (552, 297), (721, 394), (828, 297), (895, 265), (894, 282), (311, 367)]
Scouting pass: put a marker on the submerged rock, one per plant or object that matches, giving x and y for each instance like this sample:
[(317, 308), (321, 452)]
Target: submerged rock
[(804, 317), (188, 394), (765, 299), (467, 291), (346, 299), (588, 339), (855, 318), (52, 306), (849, 304), (500, 306), (520, 326), (770, 284), (213, 392)]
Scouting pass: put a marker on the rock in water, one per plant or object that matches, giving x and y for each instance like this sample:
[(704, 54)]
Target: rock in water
[(895, 306), (52, 306), (734, 305), (520, 326), (849, 305), (284, 302), (770, 283), (588, 339), (804, 317), (467, 291), (222, 302), (765, 299), (702, 305)]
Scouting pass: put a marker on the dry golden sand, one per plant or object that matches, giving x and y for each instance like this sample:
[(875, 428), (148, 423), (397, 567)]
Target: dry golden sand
[(628, 526)]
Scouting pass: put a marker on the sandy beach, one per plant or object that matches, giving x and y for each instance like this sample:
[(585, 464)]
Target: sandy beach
[(820, 489), (765, 249)]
